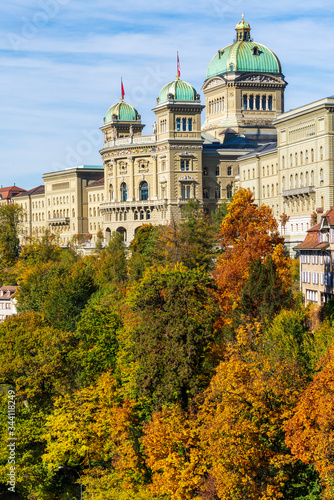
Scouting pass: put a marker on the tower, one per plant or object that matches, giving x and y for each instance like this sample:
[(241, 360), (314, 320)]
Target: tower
[(244, 89)]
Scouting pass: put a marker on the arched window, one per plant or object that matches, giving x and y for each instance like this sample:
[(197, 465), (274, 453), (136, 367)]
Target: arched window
[(264, 102), (229, 170), (291, 181), (245, 101), (184, 124), (312, 154), (124, 192), (143, 191), (148, 214), (270, 103), (111, 192), (190, 124), (306, 179), (178, 124), (264, 191), (217, 192), (301, 158), (90, 212), (94, 212), (283, 183), (321, 153), (296, 180), (312, 178), (251, 102), (257, 102), (229, 191)]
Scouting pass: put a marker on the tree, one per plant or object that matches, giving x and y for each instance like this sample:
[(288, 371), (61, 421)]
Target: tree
[(96, 431), (10, 226), (168, 330), (310, 432), (111, 266), (143, 251), (191, 241), (247, 233), (245, 408), (171, 441)]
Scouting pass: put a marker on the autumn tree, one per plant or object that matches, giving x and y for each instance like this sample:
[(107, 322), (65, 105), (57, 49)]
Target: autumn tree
[(168, 329), (172, 447), (96, 431), (247, 233), (309, 432), (246, 406), (143, 251), (111, 265)]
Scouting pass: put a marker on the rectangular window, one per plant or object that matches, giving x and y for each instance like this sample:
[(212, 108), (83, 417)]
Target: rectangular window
[(321, 259), (190, 124), (217, 170), (185, 165), (178, 124), (321, 278), (184, 124)]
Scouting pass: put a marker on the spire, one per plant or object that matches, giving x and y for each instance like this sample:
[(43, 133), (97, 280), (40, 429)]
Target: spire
[(243, 31)]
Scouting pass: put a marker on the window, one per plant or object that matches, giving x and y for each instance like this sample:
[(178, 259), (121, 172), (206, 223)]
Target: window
[(185, 191), (257, 102), (142, 215), (184, 124), (148, 215), (205, 193), (217, 192), (245, 101), (229, 191), (321, 153), (185, 165), (178, 124), (255, 51), (264, 102), (251, 102), (124, 192), (229, 170), (270, 103), (143, 191), (205, 171), (190, 124), (217, 170)]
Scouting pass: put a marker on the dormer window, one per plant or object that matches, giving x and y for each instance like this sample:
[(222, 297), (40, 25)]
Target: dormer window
[(255, 51)]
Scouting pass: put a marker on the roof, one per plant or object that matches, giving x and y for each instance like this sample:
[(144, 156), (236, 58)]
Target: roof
[(34, 191), (244, 56), (266, 148), (181, 91), (329, 216), (5, 289), (100, 182), (7, 193), (122, 111), (311, 240)]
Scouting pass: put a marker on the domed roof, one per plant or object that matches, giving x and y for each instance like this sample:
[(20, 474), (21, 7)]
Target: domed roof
[(181, 91), (123, 111), (244, 56)]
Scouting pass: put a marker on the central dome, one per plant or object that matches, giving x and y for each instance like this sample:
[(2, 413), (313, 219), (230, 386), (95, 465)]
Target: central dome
[(180, 90), (244, 56)]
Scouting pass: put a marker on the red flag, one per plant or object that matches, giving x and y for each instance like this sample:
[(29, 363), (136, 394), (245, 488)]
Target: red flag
[(122, 89), (178, 66)]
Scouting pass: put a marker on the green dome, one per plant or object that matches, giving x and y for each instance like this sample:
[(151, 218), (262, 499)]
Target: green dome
[(244, 56), (124, 112), (182, 91)]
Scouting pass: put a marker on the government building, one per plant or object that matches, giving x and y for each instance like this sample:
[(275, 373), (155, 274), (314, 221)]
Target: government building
[(204, 148)]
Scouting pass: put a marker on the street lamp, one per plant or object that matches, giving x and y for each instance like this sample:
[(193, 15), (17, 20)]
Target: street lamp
[(64, 467)]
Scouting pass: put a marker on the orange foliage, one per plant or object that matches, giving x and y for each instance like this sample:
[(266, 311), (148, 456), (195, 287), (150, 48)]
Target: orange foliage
[(242, 421), (247, 233), (172, 448), (310, 432)]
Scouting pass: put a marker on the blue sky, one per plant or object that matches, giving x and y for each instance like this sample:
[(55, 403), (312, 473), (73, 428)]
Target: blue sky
[(61, 63)]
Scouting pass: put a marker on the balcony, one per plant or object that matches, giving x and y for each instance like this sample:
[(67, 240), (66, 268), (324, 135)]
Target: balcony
[(59, 221), (128, 141), (298, 191), (139, 204)]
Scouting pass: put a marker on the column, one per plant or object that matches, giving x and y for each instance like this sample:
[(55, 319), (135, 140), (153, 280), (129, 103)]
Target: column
[(115, 187), (131, 190), (155, 178)]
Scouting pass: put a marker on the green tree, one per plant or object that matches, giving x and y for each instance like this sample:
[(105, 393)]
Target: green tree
[(10, 225), (111, 266), (168, 330)]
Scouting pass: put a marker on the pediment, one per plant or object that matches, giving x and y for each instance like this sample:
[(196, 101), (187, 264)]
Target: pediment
[(215, 81)]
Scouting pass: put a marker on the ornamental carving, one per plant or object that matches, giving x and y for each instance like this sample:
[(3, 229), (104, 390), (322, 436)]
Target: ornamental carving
[(186, 178), (259, 79)]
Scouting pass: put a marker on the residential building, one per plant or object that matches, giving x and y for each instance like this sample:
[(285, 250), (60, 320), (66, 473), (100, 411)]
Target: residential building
[(7, 302)]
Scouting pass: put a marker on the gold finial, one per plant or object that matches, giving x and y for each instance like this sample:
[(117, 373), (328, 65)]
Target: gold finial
[(243, 17)]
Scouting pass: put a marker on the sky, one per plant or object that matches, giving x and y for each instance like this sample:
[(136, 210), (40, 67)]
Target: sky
[(61, 62)]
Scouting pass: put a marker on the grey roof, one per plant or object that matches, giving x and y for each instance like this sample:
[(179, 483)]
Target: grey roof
[(266, 148)]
